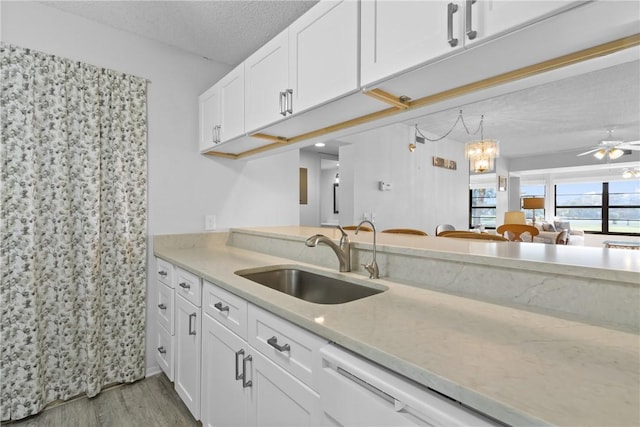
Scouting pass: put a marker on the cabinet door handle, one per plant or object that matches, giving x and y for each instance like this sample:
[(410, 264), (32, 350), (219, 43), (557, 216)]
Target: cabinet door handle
[(451, 9), (220, 308), (163, 273), (191, 330), (184, 285), (239, 375), (161, 350), (246, 383), (273, 342), (282, 103), (162, 306), (470, 32), (289, 93)]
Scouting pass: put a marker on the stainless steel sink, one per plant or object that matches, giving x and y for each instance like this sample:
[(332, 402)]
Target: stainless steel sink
[(309, 286)]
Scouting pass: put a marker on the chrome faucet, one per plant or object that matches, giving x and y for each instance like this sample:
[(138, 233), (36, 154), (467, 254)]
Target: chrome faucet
[(343, 251), (372, 267)]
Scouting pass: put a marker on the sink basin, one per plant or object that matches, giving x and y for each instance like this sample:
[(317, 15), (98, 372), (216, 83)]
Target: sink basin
[(309, 286)]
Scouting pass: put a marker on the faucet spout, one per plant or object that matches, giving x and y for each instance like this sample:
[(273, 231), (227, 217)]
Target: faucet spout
[(342, 251), (372, 267)]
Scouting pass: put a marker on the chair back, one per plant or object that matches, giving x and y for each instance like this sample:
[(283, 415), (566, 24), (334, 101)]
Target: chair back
[(461, 234), (405, 231), (514, 232), (353, 227), (444, 227)]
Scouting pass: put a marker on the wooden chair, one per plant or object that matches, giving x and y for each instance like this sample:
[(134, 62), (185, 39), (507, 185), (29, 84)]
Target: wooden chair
[(444, 227), (353, 227), (514, 232), (460, 234), (405, 231)]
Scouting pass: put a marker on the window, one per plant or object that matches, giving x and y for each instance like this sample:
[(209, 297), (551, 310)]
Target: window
[(532, 191), (483, 207), (624, 207), (600, 207)]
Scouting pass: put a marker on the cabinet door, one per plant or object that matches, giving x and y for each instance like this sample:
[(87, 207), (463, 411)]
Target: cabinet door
[(278, 399), (489, 18), (224, 399), (209, 109), (232, 104), (398, 35), (187, 354), (323, 53), (266, 77)]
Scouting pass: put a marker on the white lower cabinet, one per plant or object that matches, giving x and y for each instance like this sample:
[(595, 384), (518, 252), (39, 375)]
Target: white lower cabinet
[(187, 353), (243, 387)]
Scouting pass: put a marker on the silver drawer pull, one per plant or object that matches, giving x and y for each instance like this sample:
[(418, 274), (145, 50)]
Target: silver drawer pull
[(220, 308), (184, 285), (451, 9), (162, 306), (246, 383), (163, 273), (161, 350), (239, 376), (273, 342), (192, 331), (471, 33)]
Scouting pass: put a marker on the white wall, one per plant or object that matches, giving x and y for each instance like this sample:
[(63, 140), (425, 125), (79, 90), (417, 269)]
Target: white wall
[(422, 196), (183, 185)]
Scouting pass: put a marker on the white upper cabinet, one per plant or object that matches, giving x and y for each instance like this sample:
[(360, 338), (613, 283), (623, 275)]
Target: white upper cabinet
[(209, 107), (397, 35), (487, 18), (232, 104), (222, 110), (266, 81), (323, 54)]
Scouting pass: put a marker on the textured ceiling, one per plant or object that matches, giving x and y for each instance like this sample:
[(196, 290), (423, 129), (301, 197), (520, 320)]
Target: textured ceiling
[(572, 114), (223, 31)]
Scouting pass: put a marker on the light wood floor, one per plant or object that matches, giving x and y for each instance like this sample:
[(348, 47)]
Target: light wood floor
[(149, 402)]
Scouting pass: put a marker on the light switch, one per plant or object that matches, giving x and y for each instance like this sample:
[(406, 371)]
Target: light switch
[(209, 222)]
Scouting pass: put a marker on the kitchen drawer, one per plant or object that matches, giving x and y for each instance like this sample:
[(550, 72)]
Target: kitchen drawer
[(164, 351), (164, 307), (164, 272), (294, 349), (188, 285), (225, 307)]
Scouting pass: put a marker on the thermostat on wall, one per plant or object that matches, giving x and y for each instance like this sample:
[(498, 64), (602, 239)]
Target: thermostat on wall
[(385, 186)]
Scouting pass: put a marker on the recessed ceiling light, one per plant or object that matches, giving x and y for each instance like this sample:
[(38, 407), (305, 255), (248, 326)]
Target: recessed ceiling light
[(319, 144)]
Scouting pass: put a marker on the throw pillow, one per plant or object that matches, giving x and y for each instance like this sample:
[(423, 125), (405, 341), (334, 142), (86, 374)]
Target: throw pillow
[(562, 225), (548, 227)]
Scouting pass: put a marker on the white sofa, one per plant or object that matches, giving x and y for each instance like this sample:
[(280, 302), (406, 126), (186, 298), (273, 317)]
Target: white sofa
[(549, 233)]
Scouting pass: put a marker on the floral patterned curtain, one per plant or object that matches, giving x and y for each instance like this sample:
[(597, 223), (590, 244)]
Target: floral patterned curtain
[(73, 221)]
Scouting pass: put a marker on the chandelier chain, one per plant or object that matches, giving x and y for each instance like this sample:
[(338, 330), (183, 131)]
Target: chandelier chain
[(460, 118)]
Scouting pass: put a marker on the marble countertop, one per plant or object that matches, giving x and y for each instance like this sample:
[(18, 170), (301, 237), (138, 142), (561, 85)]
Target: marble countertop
[(520, 367)]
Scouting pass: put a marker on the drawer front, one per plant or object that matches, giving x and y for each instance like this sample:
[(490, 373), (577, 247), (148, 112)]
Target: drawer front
[(164, 351), (164, 307), (225, 307), (188, 285), (164, 272), (294, 349)]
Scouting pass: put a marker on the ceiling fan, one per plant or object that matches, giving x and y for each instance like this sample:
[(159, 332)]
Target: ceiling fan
[(612, 148)]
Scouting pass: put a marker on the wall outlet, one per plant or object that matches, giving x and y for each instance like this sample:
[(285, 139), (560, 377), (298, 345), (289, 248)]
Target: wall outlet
[(209, 223)]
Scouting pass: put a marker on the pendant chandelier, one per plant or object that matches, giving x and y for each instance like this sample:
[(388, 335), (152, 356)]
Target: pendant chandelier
[(481, 153)]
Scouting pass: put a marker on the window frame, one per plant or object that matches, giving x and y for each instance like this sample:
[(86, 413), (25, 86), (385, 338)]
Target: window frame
[(472, 207), (604, 207)]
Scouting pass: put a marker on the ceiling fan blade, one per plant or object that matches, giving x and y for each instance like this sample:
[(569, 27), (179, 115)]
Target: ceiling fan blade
[(590, 151), (628, 146)]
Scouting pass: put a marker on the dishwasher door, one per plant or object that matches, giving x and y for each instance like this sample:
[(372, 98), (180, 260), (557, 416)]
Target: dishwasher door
[(357, 392)]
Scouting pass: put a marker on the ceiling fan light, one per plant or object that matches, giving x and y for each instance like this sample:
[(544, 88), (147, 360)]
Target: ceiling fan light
[(615, 153), (600, 154)]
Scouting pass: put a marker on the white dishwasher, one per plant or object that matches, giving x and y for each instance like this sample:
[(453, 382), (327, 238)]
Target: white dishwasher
[(356, 392)]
